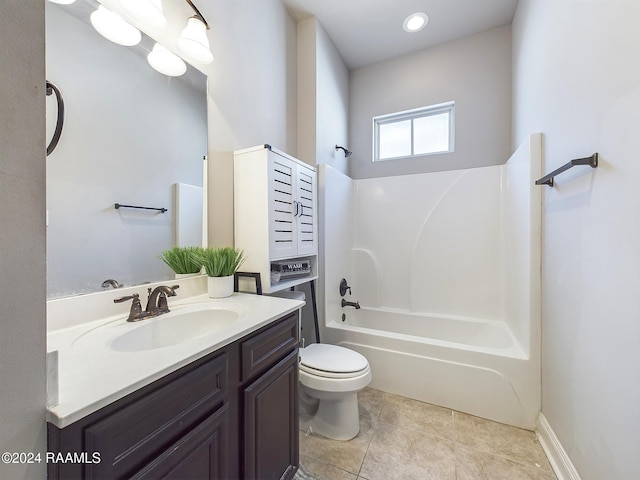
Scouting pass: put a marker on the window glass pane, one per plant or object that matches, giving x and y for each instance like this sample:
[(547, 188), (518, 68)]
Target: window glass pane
[(431, 134), (395, 139)]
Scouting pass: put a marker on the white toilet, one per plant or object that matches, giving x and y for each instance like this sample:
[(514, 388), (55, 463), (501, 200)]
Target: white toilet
[(332, 375)]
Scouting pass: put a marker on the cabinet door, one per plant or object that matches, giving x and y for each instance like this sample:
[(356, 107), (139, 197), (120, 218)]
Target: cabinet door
[(282, 207), (271, 423), (306, 219), (199, 455)]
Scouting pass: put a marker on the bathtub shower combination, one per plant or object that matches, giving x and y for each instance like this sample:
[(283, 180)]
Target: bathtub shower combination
[(446, 268)]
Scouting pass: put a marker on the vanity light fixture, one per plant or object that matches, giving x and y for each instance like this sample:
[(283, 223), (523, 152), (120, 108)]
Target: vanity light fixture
[(147, 12), (193, 42), (415, 22), (113, 27), (165, 62)]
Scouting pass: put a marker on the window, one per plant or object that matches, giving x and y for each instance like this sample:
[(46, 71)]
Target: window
[(423, 131)]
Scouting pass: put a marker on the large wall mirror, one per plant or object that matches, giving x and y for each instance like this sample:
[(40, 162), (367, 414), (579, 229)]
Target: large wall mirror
[(131, 136)]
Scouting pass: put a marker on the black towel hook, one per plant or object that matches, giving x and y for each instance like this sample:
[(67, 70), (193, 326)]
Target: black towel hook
[(53, 88)]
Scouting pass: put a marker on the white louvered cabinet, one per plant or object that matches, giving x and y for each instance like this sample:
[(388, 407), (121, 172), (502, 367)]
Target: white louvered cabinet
[(275, 212)]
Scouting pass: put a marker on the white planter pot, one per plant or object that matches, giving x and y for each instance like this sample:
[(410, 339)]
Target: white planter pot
[(220, 287)]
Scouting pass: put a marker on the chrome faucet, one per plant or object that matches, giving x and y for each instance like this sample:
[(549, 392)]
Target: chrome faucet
[(355, 305), (156, 303), (157, 300), (110, 282)]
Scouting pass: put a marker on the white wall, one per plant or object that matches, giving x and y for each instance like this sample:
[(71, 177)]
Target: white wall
[(577, 79), (475, 72), (22, 235)]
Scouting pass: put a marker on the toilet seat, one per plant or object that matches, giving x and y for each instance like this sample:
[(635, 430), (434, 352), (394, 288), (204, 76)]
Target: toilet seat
[(332, 361)]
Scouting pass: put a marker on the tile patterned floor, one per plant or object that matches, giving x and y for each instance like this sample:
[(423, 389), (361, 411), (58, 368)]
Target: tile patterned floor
[(405, 439)]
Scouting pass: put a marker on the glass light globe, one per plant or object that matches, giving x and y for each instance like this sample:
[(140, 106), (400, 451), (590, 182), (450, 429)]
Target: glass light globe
[(165, 62), (147, 12), (193, 42), (113, 27)]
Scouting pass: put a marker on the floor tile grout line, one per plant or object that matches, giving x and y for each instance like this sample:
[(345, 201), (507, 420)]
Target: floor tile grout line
[(456, 442), (374, 426)]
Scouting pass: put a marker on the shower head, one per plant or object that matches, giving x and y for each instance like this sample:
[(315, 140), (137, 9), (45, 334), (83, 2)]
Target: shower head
[(347, 153)]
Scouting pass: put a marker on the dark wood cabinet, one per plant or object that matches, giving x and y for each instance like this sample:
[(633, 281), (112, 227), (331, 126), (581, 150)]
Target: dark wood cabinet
[(270, 443), (201, 454), (230, 415)]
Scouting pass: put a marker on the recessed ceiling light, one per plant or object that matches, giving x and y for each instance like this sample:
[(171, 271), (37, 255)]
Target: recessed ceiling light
[(415, 22)]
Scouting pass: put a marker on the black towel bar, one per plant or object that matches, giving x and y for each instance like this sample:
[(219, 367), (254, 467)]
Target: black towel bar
[(120, 205), (592, 161)]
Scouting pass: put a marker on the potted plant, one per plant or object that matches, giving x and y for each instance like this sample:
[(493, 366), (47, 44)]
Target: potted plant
[(220, 264), (183, 261)]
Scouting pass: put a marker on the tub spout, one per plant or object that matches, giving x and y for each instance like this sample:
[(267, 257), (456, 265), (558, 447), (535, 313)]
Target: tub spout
[(355, 305)]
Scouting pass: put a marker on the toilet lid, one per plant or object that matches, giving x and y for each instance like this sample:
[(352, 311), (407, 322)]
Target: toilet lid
[(331, 358)]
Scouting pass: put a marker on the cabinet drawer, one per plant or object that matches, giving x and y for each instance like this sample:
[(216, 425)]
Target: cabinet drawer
[(136, 433), (267, 347)]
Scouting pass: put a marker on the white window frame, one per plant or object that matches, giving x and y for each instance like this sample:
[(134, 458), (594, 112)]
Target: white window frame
[(448, 107)]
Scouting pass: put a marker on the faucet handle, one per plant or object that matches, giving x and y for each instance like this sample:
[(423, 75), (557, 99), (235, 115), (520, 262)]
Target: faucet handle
[(163, 305), (135, 313), (344, 287), (133, 297)]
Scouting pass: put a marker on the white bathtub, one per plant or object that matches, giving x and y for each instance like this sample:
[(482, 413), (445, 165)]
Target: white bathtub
[(465, 243), (469, 365)]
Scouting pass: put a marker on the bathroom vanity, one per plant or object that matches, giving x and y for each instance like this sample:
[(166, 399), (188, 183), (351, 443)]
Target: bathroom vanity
[(229, 413)]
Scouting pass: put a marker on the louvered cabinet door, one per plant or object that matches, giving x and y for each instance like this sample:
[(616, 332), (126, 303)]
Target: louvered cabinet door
[(283, 208), (306, 209)]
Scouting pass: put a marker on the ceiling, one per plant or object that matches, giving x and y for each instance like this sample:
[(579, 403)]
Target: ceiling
[(370, 31)]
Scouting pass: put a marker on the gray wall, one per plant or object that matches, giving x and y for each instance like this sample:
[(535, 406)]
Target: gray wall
[(252, 94), (323, 112), (475, 72), (22, 236), (581, 88), (323, 97)]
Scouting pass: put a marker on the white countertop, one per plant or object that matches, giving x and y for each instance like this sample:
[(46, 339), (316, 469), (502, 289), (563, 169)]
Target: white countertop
[(92, 375)]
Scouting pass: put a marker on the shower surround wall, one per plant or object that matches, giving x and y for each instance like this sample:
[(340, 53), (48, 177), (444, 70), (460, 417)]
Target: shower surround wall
[(446, 268)]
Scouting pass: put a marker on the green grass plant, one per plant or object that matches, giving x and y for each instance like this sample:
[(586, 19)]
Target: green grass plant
[(220, 262), (183, 259)]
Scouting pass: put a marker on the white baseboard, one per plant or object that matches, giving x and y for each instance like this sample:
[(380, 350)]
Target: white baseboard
[(558, 458)]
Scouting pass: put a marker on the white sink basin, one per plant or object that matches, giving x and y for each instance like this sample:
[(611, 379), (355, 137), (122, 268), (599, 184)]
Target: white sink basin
[(183, 324)]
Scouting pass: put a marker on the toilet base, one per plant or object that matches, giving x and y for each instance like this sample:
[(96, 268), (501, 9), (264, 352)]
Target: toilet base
[(337, 418)]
